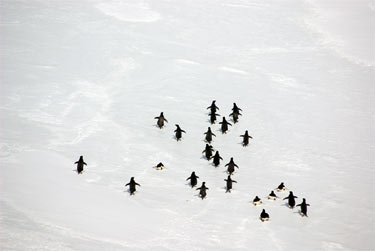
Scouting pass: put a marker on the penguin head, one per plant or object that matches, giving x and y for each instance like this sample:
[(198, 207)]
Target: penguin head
[(282, 184), (204, 183), (304, 200), (81, 157), (263, 211), (161, 114), (213, 102), (291, 193), (132, 179), (231, 159), (193, 173), (256, 197)]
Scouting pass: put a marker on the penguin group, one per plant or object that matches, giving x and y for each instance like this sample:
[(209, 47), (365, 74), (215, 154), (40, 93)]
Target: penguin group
[(291, 202), (211, 154)]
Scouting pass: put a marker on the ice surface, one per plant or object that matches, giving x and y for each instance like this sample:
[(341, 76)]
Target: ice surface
[(87, 78)]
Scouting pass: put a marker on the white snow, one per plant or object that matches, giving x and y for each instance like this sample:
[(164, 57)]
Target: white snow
[(87, 78)]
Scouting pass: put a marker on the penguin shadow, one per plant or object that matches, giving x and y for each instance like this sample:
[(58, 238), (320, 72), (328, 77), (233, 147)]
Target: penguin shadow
[(299, 212), (204, 157), (158, 126), (188, 184), (286, 205)]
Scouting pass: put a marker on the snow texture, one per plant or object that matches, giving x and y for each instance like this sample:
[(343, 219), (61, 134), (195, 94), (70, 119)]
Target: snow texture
[(87, 78)]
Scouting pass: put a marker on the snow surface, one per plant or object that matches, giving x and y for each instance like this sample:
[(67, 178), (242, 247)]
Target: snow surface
[(87, 78)]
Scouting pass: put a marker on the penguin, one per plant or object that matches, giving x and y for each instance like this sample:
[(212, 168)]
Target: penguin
[(161, 120), (209, 135), (132, 185), (217, 159), (303, 206), (179, 132), (272, 196), (213, 107), (208, 151), (193, 179), (257, 201), (264, 216), (236, 109), (224, 125), (231, 166), (229, 183), (291, 201), (202, 192), (213, 117), (80, 163), (246, 138), (159, 166), (235, 116), (281, 187)]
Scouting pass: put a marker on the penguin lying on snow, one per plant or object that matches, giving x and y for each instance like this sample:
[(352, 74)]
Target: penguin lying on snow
[(179, 132), (272, 196), (202, 192), (161, 120), (209, 135), (160, 166), (264, 216), (80, 163), (291, 201), (132, 185), (193, 179), (257, 201), (303, 206), (281, 187), (229, 184), (246, 138)]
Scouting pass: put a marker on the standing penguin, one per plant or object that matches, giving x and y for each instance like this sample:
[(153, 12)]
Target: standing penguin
[(236, 109), (224, 125), (291, 201), (303, 206), (80, 163), (257, 201), (246, 138), (179, 132), (229, 183), (264, 216), (193, 179), (213, 107), (208, 151), (281, 187), (202, 192), (235, 113), (209, 135), (161, 120), (217, 159), (213, 117), (132, 185), (231, 166)]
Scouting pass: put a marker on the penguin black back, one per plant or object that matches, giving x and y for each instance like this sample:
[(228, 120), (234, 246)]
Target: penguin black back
[(193, 179), (80, 163)]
